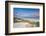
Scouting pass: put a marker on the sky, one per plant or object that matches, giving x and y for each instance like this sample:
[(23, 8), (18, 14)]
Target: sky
[(26, 12)]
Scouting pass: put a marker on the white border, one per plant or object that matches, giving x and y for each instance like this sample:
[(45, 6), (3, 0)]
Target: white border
[(13, 30)]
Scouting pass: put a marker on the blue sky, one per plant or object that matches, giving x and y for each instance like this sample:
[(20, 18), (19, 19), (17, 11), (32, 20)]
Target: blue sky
[(26, 12)]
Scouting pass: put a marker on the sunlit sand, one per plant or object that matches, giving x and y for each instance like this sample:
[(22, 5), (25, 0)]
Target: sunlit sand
[(24, 23)]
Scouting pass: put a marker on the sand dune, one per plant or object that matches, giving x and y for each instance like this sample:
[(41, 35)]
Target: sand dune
[(23, 23)]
